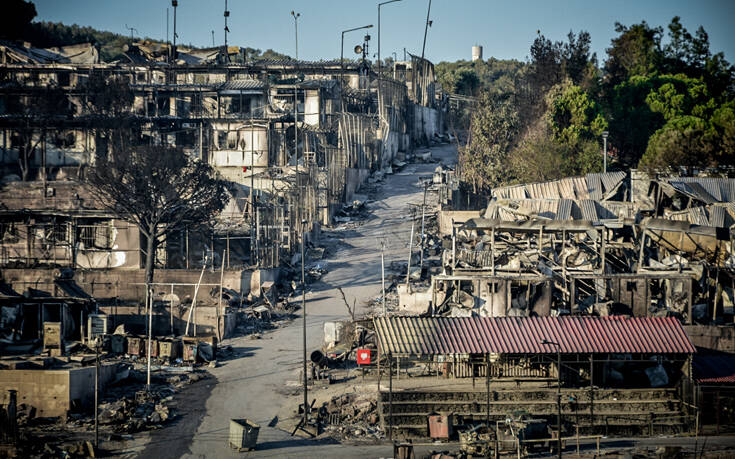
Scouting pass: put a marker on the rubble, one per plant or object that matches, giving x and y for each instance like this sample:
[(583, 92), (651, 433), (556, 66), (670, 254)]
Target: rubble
[(351, 416)]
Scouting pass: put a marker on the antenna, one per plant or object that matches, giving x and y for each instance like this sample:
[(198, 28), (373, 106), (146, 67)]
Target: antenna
[(131, 31), (213, 45)]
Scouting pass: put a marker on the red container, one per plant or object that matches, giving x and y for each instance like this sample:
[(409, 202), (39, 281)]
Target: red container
[(440, 426)]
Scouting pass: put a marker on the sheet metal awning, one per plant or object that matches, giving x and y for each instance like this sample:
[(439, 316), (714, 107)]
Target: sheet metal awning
[(415, 336)]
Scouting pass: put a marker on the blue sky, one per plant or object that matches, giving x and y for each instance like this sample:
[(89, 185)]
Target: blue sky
[(504, 29)]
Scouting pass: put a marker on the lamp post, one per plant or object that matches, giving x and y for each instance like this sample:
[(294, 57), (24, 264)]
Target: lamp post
[(558, 392), (342, 65), (303, 311), (426, 29), (380, 63), (382, 271), (227, 29), (604, 151), (296, 27), (175, 4)]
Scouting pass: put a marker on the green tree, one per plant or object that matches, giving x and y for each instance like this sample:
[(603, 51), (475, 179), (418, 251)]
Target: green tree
[(636, 51), (539, 157), (493, 130), (572, 114), (683, 142)]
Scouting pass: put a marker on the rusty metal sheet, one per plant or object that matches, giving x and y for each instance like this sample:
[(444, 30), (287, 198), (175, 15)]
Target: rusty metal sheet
[(522, 335)]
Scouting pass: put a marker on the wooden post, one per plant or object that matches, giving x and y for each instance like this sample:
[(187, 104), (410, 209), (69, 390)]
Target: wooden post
[(410, 247), (492, 253), (194, 301), (603, 246), (390, 396), (592, 394), (487, 388), (454, 247), (96, 394), (219, 303), (171, 309), (640, 255)]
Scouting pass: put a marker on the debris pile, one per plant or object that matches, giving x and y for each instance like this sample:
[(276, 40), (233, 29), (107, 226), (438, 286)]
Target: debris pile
[(351, 416)]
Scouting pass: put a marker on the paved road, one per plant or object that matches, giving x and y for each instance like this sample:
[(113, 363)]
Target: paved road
[(247, 387)]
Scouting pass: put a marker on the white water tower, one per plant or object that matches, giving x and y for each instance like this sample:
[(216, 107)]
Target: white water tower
[(476, 53)]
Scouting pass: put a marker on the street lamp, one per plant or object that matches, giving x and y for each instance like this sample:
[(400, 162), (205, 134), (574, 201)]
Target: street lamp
[(379, 63), (426, 29), (303, 311), (604, 149), (296, 26), (558, 392), (295, 100), (341, 62)]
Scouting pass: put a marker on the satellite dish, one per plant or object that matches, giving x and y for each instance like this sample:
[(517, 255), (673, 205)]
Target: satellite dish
[(358, 49)]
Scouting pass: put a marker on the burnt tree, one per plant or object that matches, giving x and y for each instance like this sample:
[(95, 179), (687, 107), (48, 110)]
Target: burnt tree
[(32, 113), (159, 189)]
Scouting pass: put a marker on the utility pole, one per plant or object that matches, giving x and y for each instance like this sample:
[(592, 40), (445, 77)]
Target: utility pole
[(380, 64), (303, 310), (96, 393), (131, 29), (382, 271), (227, 15), (342, 66), (175, 4), (296, 131), (423, 213), (149, 300), (213, 45), (410, 249), (426, 29), (296, 27)]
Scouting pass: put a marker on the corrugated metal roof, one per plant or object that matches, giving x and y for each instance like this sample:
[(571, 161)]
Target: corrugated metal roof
[(717, 216), (591, 186), (705, 189), (709, 369), (594, 186), (521, 335), (241, 85), (588, 209), (564, 211)]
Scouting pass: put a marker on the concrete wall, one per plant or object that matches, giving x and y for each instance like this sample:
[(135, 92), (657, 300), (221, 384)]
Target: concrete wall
[(425, 123), (714, 337), (459, 216), (203, 319), (354, 178), (52, 392), (126, 284)]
